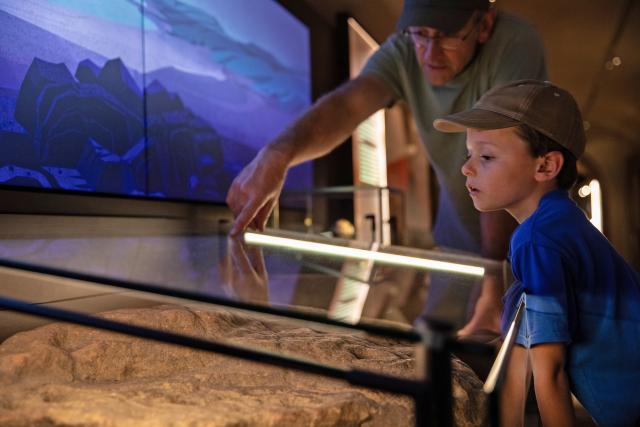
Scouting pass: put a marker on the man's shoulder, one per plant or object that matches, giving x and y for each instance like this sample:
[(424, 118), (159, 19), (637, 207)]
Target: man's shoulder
[(510, 23), (396, 50), (514, 51), (513, 32), (396, 42)]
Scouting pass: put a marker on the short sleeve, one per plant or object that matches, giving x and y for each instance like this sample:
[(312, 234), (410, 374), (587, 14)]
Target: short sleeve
[(520, 56), (545, 294), (388, 63)]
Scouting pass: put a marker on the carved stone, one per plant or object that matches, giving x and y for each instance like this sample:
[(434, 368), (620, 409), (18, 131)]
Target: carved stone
[(62, 374)]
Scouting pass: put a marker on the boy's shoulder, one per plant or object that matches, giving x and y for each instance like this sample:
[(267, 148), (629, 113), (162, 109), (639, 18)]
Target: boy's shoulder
[(554, 223)]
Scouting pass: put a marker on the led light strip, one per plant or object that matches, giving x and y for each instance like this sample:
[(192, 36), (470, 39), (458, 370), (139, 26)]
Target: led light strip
[(341, 251), (596, 204)]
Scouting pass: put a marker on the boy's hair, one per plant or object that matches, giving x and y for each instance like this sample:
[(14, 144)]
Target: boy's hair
[(540, 144)]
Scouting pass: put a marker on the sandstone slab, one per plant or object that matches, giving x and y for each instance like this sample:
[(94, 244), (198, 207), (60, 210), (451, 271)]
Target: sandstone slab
[(68, 375)]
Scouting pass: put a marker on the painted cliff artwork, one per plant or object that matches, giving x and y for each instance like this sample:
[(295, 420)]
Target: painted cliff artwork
[(158, 98)]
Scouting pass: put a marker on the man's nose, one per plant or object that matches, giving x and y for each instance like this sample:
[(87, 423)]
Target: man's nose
[(433, 49)]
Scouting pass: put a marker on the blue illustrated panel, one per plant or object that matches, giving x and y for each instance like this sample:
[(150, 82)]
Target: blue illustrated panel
[(164, 98), (223, 78), (71, 101)]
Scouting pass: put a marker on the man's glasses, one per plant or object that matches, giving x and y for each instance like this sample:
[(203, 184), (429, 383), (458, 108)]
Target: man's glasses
[(446, 42)]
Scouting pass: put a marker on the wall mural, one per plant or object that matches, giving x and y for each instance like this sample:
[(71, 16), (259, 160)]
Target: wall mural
[(159, 98)]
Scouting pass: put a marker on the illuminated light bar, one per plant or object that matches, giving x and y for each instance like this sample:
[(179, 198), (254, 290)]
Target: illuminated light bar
[(596, 204), (341, 251)]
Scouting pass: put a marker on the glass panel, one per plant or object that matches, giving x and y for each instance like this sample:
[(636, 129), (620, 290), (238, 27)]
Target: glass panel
[(343, 279), (368, 225)]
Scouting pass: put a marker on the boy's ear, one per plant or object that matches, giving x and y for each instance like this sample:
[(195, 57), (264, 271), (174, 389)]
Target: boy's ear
[(549, 166)]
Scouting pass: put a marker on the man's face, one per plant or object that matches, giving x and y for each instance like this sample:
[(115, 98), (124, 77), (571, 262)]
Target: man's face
[(440, 63), (501, 172)]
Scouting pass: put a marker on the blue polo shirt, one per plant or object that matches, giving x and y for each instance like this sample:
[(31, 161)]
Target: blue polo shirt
[(579, 291)]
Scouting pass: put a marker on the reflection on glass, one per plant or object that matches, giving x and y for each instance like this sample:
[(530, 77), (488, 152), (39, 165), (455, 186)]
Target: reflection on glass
[(243, 273), (341, 279)]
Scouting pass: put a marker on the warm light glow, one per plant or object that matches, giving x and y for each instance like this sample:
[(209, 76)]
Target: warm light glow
[(617, 61), (341, 251), (369, 150), (596, 204), (584, 191)]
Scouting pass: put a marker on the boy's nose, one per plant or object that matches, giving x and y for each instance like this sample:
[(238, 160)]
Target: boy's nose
[(466, 168)]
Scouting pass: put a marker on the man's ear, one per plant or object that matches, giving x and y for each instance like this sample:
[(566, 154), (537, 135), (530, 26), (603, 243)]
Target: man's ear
[(486, 26), (549, 166)]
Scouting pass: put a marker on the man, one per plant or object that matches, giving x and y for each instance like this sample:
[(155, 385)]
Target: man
[(445, 56)]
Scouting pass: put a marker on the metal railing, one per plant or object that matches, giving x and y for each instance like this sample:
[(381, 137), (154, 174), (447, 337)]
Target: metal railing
[(432, 393)]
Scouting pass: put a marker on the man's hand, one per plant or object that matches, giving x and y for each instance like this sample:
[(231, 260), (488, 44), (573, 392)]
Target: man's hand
[(256, 189), (495, 230), (322, 128), (485, 321)]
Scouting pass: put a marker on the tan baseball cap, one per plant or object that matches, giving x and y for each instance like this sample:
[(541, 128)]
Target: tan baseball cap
[(539, 104)]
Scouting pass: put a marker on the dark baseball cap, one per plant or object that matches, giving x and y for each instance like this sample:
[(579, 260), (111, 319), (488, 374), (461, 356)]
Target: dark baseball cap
[(447, 16), (541, 105)]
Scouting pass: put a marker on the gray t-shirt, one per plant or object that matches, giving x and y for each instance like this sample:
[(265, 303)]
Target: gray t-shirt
[(513, 52)]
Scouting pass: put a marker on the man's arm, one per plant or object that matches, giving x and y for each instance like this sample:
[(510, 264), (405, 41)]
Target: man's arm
[(551, 384), (495, 231), (322, 128), (332, 119)]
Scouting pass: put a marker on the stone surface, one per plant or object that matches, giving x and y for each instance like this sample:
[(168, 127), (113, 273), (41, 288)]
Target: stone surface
[(62, 374)]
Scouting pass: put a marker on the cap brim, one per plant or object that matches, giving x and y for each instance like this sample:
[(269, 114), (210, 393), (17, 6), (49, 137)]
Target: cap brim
[(447, 20), (474, 119)]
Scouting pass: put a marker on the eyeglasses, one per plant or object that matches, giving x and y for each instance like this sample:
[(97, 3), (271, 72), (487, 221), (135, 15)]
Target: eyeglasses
[(446, 42)]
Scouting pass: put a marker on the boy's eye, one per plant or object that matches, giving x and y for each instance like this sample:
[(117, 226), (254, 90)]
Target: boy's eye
[(486, 158)]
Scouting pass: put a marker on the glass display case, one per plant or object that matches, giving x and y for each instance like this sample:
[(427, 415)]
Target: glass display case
[(145, 276), (348, 212)]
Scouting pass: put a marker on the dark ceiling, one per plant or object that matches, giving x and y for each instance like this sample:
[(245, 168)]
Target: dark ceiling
[(581, 38)]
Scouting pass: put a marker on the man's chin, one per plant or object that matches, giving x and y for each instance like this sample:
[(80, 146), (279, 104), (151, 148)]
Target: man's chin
[(436, 78)]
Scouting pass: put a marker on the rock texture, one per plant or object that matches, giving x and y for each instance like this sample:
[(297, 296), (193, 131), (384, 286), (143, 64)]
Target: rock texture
[(63, 374), (90, 131)]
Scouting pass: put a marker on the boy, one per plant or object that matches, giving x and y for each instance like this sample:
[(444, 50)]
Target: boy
[(581, 329)]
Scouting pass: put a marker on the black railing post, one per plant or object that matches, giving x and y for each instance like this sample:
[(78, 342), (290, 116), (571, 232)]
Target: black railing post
[(439, 361), (422, 402), (434, 403)]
